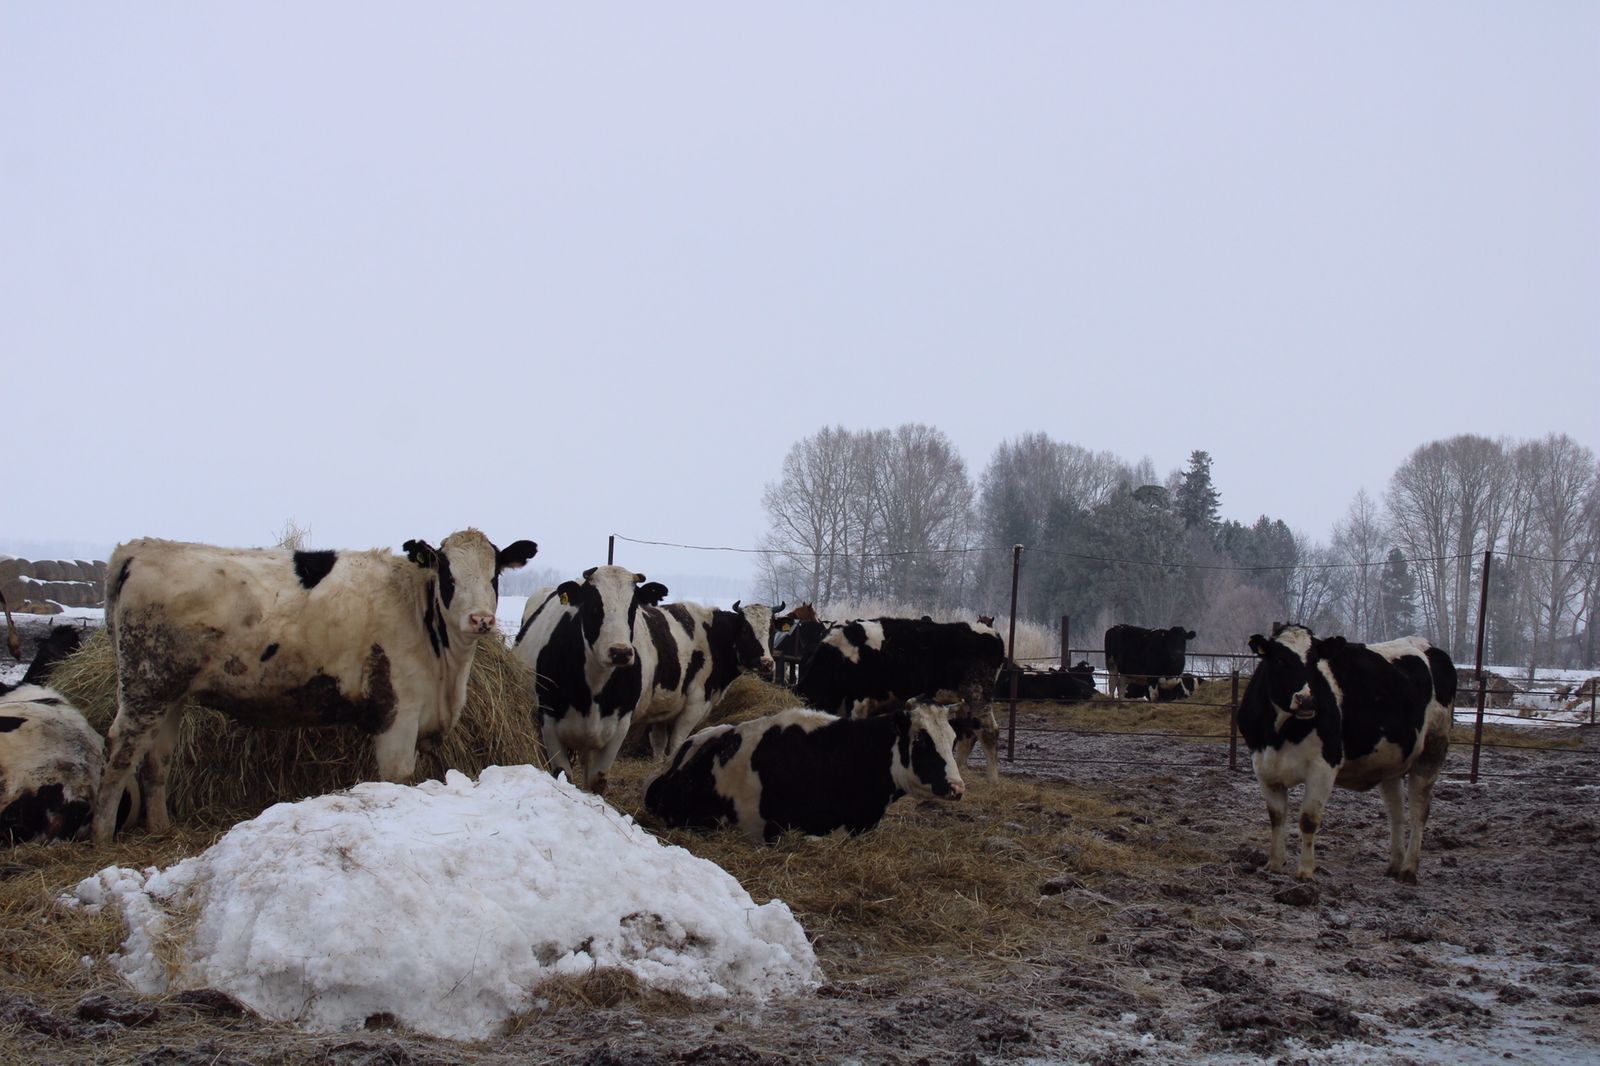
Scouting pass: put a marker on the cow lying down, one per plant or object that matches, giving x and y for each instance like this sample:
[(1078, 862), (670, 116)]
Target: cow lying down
[(50, 757), (807, 770)]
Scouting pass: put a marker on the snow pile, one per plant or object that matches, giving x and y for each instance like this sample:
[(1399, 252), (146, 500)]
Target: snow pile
[(443, 905)]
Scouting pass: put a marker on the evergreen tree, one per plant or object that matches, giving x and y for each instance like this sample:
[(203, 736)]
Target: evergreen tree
[(1397, 597), (1197, 498)]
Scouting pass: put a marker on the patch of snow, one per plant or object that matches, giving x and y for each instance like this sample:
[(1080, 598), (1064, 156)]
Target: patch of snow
[(444, 905)]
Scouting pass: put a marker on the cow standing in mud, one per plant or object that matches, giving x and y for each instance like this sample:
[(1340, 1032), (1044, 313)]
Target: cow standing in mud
[(1325, 712)]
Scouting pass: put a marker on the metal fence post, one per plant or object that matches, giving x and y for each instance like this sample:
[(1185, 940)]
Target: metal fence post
[(611, 549), (1233, 724), (1477, 732), (1011, 656), (1066, 640)]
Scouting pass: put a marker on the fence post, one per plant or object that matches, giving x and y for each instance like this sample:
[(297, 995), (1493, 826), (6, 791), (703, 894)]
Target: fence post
[(611, 549), (1477, 732), (1233, 724), (1066, 640), (1011, 656)]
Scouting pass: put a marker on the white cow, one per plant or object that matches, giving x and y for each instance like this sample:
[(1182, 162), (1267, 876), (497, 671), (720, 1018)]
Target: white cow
[(284, 638)]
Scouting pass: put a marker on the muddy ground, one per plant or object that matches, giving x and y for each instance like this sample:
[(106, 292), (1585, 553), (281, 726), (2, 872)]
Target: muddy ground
[(1492, 957)]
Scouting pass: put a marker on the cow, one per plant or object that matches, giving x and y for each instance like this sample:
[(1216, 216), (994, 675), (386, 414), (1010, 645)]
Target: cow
[(275, 637), (1498, 690), (13, 642), (51, 759), (793, 637), (590, 658), (1073, 684), (1170, 689), (1136, 657), (808, 770), (1327, 711), (862, 666), (699, 651)]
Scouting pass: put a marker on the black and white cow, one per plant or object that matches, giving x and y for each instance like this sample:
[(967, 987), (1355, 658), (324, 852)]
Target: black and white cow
[(1326, 712), (1073, 684), (292, 638), (861, 666), (1137, 657), (1170, 689), (51, 759), (699, 651), (793, 637), (590, 655), (807, 770)]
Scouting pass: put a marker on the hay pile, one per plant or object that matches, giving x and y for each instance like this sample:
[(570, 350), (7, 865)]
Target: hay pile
[(223, 771)]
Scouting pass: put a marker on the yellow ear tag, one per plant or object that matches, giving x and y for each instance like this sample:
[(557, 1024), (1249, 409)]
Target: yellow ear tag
[(785, 628)]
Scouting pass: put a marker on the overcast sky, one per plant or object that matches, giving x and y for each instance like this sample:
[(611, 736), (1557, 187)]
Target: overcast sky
[(563, 271)]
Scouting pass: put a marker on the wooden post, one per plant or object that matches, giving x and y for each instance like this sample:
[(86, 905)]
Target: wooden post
[(1011, 656), (1066, 641), (611, 549), (1477, 732)]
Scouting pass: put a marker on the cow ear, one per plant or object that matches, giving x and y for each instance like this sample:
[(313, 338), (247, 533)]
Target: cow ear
[(652, 593), (516, 556), (421, 553), (1258, 644), (637, 578), (566, 591), (1189, 635)]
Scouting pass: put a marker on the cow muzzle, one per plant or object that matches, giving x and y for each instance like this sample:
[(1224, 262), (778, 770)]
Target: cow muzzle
[(766, 667), (1303, 704), (620, 654), (958, 789), (480, 622)]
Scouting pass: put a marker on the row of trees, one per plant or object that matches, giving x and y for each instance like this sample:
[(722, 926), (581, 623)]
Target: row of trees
[(893, 515)]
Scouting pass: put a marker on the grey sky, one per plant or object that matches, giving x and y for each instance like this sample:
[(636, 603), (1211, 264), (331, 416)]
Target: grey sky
[(561, 271)]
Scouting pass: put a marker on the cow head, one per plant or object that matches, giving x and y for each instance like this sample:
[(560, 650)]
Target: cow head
[(986, 620), (755, 646), (924, 762), (607, 601), (1286, 667), (466, 567)]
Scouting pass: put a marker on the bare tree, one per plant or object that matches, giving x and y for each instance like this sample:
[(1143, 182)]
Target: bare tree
[(1561, 481), (811, 511), (1360, 541), (920, 504)]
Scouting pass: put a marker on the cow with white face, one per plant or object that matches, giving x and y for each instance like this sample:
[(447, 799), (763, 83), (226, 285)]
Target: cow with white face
[(1325, 712), (292, 638), (590, 656), (699, 651), (807, 770)]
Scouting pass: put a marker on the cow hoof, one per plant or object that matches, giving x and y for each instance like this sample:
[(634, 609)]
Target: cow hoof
[(1305, 875), (1408, 877), (598, 785)]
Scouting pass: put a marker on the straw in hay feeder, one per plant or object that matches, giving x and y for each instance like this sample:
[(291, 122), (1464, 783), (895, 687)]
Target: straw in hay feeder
[(222, 771)]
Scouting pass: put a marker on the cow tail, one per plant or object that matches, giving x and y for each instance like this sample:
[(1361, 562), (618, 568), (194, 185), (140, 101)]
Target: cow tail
[(1444, 676)]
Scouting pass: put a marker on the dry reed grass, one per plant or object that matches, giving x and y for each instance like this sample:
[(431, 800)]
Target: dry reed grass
[(223, 771)]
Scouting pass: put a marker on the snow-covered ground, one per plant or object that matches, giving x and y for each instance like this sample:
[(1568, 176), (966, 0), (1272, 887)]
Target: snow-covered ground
[(443, 906)]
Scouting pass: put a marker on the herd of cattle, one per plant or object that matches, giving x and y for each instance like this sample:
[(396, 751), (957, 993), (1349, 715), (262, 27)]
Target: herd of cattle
[(385, 643)]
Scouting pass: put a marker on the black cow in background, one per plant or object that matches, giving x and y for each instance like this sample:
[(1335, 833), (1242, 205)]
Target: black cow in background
[(1073, 684), (1139, 658)]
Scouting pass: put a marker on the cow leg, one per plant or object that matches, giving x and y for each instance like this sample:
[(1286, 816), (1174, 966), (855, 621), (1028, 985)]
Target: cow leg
[(129, 737), (595, 765), (555, 752), (1277, 798), (395, 750), (1319, 786), (153, 773), (976, 704), (1419, 793), (1394, 799), (686, 723), (660, 735)]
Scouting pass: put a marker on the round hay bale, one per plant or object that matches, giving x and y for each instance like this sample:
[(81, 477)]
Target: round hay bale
[(13, 569), (47, 570), (13, 590), (223, 772), (67, 570)]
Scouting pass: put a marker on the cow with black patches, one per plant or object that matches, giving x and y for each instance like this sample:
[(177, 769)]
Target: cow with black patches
[(1138, 658), (51, 759), (1326, 711), (593, 664), (699, 652), (807, 770), (1074, 684), (861, 666), (291, 638), (1171, 689), (793, 637)]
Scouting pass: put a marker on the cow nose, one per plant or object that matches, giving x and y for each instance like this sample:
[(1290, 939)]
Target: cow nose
[(957, 788), (766, 665), (481, 621), (1301, 700), (621, 654)]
